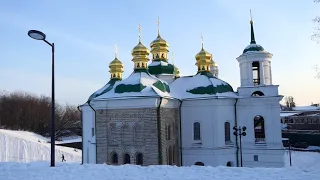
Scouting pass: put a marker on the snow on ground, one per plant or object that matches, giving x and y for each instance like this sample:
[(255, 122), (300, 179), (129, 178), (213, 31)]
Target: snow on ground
[(66, 141), (22, 146), (305, 166)]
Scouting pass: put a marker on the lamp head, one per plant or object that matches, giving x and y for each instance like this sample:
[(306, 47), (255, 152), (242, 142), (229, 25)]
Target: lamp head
[(37, 35)]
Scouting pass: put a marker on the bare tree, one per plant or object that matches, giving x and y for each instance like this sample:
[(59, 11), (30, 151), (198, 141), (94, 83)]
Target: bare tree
[(317, 70), (289, 100), (316, 20), (25, 111)]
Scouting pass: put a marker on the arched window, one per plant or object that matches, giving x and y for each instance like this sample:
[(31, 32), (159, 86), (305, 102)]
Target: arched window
[(199, 164), (126, 159), (259, 131), (227, 132), (196, 131), (114, 158), (229, 164), (257, 93), (139, 159)]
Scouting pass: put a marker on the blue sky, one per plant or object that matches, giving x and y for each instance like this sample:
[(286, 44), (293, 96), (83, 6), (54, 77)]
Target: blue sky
[(85, 32)]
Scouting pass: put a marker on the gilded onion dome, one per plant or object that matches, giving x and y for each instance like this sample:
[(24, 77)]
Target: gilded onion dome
[(214, 69), (140, 55), (204, 60), (159, 47), (116, 69)]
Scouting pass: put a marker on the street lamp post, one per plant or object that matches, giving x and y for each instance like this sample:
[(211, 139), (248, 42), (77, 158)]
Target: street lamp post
[(38, 35), (289, 135), (240, 132)]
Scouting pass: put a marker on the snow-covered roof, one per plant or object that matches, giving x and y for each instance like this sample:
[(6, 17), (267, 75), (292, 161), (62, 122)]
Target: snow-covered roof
[(287, 114), (306, 108), (253, 47), (138, 84), (201, 86), (161, 67), (156, 63), (103, 90)]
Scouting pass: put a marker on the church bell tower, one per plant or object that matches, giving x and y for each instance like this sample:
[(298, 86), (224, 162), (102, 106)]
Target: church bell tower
[(258, 108)]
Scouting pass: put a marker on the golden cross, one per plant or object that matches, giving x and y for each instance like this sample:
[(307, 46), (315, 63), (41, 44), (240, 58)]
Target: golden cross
[(116, 50), (140, 29), (251, 21), (158, 21), (202, 39)]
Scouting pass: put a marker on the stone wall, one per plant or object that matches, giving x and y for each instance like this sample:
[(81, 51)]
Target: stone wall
[(133, 131), (169, 135), (127, 131)]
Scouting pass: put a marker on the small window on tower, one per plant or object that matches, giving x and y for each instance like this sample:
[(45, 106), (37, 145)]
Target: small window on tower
[(256, 73)]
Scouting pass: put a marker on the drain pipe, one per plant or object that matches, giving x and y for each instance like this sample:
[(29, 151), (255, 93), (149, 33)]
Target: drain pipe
[(81, 119), (236, 125), (95, 129), (159, 132), (180, 133)]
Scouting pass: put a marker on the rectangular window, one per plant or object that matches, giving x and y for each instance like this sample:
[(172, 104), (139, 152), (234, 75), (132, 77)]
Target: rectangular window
[(227, 132), (196, 131), (255, 158), (92, 131)]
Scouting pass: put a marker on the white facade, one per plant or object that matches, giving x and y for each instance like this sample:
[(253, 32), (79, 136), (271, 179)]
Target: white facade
[(88, 135), (211, 149)]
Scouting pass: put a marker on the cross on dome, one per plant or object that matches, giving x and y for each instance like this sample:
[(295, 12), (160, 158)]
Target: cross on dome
[(202, 40), (158, 21), (140, 29), (116, 50), (251, 21)]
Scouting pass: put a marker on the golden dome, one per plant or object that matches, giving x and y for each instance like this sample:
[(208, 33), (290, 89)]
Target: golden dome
[(140, 56), (140, 48), (213, 63), (116, 69), (203, 54), (159, 41), (204, 60), (116, 61)]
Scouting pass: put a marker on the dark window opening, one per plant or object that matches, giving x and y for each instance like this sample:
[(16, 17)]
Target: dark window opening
[(196, 131), (126, 159), (199, 164), (255, 158), (256, 72), (259, 130), (139, 159), (170, 155), (229, 164), (169, 132), (257, 93), (114, 158), (227, 132), (174, 154)]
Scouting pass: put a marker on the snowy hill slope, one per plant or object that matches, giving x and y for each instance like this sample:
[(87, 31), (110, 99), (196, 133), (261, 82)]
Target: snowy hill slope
[(22, 146), (306, 166)]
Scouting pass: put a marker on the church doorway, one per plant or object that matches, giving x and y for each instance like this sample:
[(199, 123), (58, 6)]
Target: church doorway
[(199, 164), (126, 159), (229, 164)]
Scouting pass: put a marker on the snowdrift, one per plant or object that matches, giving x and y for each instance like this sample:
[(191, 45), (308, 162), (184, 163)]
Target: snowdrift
[(21, 146)]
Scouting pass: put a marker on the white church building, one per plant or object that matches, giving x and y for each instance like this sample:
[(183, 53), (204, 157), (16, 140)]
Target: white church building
[(156, 117)]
